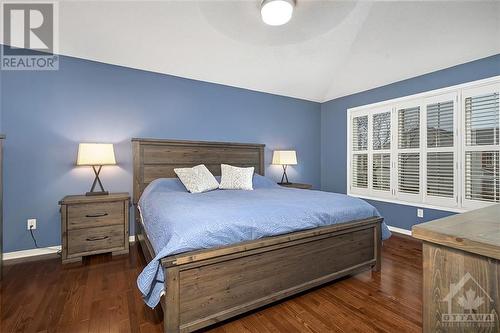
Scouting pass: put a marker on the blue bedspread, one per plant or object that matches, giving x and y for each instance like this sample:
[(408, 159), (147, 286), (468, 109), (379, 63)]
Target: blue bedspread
[(178, 221)]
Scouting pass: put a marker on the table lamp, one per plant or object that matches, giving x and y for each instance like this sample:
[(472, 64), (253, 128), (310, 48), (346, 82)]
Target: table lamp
[(96, 155), (284, 158)]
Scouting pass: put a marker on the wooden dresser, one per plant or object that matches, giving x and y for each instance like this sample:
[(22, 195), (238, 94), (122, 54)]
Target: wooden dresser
[(94, 224), (461, 285)]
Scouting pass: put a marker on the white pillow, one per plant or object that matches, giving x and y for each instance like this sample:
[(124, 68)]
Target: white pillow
[(234, 178), (197, 179)]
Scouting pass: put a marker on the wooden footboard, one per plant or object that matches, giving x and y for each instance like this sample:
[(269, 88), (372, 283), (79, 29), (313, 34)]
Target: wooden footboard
[(205, 287)]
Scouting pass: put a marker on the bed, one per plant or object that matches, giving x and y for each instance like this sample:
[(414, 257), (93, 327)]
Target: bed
[(201, 287)]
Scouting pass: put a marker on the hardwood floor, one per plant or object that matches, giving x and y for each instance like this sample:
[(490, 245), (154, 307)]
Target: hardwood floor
[(100, 295)]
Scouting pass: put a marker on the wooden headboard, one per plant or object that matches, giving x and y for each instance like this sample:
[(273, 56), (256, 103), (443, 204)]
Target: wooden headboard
[(156, 158)]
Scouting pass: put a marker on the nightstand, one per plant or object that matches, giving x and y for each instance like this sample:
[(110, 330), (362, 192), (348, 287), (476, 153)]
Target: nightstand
[(297, 185), (94, 224)]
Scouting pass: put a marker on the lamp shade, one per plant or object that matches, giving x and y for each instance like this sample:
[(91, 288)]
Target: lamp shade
[(96, 154), (285, 157)]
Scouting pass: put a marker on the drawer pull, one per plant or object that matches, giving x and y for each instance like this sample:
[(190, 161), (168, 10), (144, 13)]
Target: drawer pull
[(97, 215), (92, 239)]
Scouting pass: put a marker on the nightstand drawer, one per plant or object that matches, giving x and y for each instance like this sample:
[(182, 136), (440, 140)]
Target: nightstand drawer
[(96, 239), (95, 214)]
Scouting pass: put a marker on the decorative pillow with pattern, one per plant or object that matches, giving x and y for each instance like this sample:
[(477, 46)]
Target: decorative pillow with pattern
[(197, 179), (234, 178)]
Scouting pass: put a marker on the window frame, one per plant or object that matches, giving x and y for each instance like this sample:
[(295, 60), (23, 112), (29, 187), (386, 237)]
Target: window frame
[(458, 93)]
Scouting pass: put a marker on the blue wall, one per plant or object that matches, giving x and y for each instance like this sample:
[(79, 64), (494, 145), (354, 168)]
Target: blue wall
[(46, 114), (334, 130)]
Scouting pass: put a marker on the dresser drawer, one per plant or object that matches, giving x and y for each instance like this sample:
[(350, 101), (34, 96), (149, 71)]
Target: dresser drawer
[(96, 239), (95, 214)]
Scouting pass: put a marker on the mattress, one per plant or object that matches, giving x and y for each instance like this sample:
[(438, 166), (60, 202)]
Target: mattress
[(177, 221)]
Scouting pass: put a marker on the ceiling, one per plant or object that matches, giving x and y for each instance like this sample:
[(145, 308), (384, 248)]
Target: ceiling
[(329, 48)]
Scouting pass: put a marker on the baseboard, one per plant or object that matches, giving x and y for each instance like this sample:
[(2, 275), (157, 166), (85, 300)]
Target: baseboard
[(400, 230), (31, 253), (43, 251)]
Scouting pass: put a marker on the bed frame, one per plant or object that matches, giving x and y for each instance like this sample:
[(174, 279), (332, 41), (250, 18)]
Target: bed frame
[(208, 286)]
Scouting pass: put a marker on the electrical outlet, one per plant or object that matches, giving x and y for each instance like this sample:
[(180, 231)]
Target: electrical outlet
[(420, 212), (31, 224)]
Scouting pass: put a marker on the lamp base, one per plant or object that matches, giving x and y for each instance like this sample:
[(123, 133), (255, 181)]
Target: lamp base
[(96, 181), (97, 193), (284, 178)]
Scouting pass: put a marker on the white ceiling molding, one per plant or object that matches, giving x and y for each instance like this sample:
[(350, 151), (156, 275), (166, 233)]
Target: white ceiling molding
[(329, 49)]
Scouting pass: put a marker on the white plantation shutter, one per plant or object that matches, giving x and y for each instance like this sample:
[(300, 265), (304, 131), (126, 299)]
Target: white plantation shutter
[(409, 173), (482, 176), (481, 120), (409, 128), (440, 127), (381, 131), (360, 170), (440, 174), (481, 146), (441, 152), (381, 153), (359, 160), (381, 172), (360, 133), (409, 152)]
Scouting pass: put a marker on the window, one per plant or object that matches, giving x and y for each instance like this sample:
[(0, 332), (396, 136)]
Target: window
[(409, 128), (439, 149), (360, 157), (381, 152), (360, 170), (481, 120), (440, 174), (382, 172), (481, 145), (382, 131), (481, 176), (408, 152), (440, 124), (409, 173)]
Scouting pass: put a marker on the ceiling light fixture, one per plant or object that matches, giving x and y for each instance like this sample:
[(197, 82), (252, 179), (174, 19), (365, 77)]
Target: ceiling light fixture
[(276, 12)]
